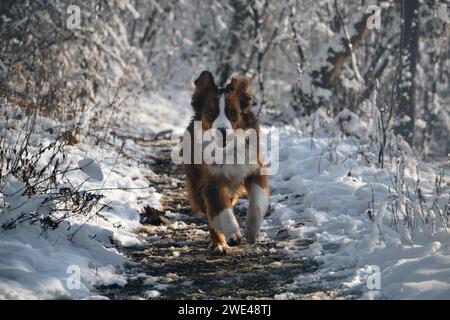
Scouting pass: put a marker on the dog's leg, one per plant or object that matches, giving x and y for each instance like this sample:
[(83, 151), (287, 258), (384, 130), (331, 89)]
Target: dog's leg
[(194, 190), (222, 223), (258, 197)]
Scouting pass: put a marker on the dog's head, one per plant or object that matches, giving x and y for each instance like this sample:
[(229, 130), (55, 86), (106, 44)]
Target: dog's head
[(221, 108)]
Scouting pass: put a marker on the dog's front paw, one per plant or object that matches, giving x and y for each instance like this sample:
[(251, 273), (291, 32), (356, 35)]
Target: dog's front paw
[(221, 249), (252, 236), (253, 223), (225, 222), (235, 239)]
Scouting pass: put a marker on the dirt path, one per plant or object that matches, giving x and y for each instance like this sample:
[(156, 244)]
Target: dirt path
[(177, 263)]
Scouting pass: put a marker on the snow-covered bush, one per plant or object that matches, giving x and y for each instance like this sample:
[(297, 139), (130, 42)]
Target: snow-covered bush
[(34, 167), (406, 208), (45, 63), (59, 85)]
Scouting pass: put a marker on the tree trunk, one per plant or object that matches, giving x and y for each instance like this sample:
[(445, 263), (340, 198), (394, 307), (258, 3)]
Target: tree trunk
[(325, 76), (407, 85), (325, 73), (241, 13)]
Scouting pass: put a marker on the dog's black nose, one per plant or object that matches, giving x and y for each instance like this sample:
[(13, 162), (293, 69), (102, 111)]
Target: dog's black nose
[(223, 132)]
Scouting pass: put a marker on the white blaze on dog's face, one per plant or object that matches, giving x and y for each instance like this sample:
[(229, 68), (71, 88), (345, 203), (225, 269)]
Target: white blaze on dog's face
[(222, 121), (221, 112), (221, 109)]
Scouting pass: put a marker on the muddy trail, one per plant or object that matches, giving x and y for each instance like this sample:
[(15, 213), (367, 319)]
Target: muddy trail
[(176, 262)]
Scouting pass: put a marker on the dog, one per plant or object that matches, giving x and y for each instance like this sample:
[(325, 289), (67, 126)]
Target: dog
[(214, 188)]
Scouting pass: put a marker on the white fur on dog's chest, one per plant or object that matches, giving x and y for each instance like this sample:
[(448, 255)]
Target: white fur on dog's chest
[(237, 172)]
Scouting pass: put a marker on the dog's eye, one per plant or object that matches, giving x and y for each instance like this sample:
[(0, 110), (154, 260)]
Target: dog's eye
[(211, 114), (233, 113)]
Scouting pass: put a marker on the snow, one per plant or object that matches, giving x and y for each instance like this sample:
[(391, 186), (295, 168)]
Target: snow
[(91, 168), (36, 267), (332, 198), (413, 264), (70, 261), (152, 294)]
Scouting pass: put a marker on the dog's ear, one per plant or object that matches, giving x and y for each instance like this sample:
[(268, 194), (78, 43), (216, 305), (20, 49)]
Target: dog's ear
[(241, 86), (204, 83)]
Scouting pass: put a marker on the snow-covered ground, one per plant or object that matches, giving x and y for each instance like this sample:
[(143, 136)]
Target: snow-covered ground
[(353, 250), (322, 192), (44, 266)]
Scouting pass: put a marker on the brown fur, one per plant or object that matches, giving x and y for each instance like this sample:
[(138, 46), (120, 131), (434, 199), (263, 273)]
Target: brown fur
[(209, 193)]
